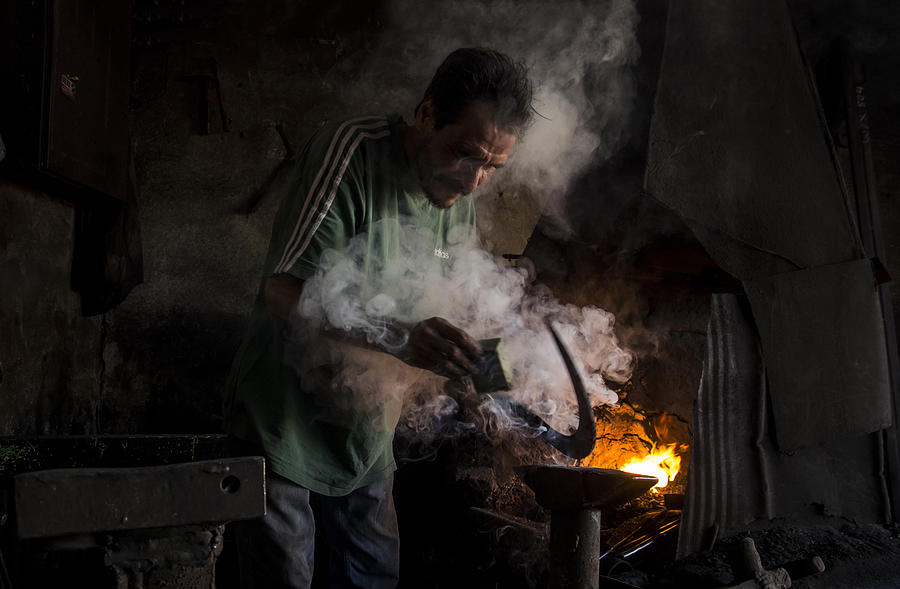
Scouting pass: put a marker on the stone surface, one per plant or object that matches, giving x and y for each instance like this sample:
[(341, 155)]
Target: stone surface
[(50, 356)]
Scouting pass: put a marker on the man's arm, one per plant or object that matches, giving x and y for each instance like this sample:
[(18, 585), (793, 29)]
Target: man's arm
[(434, 344), (282, 291)]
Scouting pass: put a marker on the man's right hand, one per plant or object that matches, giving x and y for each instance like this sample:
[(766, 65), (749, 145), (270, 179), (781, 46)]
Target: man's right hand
[(434, 344), (437, 345)]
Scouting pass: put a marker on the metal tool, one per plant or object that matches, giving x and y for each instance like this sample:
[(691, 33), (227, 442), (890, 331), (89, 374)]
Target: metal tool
[(655, 527), (576, 445)]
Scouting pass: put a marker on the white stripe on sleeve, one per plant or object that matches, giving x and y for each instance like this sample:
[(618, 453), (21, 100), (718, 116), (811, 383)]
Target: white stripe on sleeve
[(332, 192), (321, 181), (327, 179)]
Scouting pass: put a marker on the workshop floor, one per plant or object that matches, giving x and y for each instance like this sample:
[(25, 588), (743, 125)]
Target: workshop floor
[(855, 557)]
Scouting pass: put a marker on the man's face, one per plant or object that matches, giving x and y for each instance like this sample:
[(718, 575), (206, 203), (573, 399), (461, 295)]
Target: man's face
[(454, 160)]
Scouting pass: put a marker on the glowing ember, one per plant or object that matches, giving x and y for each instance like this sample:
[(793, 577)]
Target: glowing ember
[(662, 463)]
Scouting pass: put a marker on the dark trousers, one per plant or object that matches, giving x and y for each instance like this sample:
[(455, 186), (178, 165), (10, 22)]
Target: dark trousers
[(360, 531)]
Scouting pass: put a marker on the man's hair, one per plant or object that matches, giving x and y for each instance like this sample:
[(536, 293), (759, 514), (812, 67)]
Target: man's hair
[(476, 74)]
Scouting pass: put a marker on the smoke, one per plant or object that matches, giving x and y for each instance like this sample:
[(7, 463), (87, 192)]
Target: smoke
[(584, 97), (580, 53), (354, 294)]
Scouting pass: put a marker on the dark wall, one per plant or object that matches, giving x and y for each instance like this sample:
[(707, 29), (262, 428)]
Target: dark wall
[(871, 28), (51, 358), (170, 344), (158, 362)]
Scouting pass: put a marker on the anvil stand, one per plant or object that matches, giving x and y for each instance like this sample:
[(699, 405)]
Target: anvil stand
[(575, 496), (121, 512)]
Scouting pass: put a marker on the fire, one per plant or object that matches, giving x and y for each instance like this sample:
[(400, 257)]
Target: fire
[(662, 463)]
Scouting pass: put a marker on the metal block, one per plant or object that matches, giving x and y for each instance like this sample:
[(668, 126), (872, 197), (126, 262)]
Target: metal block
[(560, 487), (85, 500)]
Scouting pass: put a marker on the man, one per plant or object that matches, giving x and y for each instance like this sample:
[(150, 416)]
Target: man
[(337, 474)]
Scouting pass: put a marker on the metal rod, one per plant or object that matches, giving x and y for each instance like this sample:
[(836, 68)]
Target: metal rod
[(868, 217)]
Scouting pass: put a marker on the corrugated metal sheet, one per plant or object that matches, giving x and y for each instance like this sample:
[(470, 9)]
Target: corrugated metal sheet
[(738, 479)]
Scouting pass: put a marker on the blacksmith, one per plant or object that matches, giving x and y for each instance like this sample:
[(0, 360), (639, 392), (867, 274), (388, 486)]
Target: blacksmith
[(350, 175)]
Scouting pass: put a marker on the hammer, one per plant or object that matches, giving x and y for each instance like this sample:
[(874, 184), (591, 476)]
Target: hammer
[(778, 578)]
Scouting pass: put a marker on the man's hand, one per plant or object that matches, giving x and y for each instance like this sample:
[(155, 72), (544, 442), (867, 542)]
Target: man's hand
[(434, 344), (437, 345)]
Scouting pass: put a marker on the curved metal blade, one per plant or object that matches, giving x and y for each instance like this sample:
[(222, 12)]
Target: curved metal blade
[(576, 445), (581, 442)]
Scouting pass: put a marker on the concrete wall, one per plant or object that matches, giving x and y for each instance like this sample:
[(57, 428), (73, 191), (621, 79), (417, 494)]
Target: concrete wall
[(51, 358)]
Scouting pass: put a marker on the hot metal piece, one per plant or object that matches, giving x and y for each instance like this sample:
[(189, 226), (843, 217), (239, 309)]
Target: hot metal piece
[(492, 372), (576, 445), (580, 443)]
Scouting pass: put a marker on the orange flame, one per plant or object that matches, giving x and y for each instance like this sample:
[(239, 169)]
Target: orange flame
[(662, 463)]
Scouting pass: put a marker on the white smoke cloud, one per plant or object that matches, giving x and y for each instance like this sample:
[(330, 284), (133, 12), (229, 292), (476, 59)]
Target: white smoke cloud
[(474, 291), (580, 54)]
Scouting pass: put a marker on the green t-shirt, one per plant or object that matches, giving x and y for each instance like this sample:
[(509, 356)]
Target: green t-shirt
[(351, 175)]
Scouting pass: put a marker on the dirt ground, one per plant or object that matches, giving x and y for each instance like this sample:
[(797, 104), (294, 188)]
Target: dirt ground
[(856, 556)]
